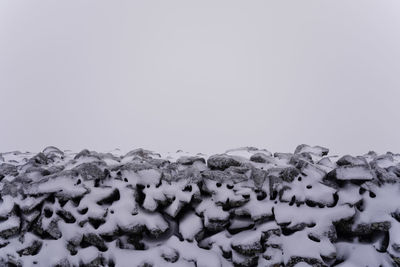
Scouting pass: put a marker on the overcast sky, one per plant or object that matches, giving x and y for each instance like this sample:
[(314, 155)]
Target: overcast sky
[(202, 76)]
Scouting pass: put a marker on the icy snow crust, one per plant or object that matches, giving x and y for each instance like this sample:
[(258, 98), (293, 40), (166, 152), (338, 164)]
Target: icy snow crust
[(245, 207)]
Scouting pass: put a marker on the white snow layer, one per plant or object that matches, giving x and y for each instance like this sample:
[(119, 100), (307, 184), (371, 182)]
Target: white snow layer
[(245, 207)]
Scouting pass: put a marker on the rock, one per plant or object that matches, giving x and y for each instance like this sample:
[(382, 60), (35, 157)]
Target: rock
[(294, 261), (261, 158), (258, 176), (142, 153), (137, 166), (350, 160), (114, 196), (10, 227), (222, 162), (215, 218), (53, 153), (190, 226), (219, 176), (286, 174), (362, 254), (394, 170), (10, 188), (247, 243), (39, 159), (63, 263), (33, 249), (158, 163), (349, 172), (98, 261), (316, 150), (92, 239), (185, 160), (170, 255), (3, 243), (366, 229), (385, 176), (239, 260), (298, 160), (49, 230), (7, 169), (85, 153), (66, 216), (283, 156), (89, 171), (239, 224), (52, 150), (326, 162)]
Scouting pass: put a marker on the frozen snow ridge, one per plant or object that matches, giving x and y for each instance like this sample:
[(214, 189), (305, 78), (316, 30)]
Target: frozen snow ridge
[(245, 207)]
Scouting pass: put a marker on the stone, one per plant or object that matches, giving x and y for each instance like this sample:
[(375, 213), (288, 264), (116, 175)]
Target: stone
[(89, 171), (94, 240), (33, 249), (10, 227), (350, 172), (350, 160), (7, 169), (316, 150), (186, 160), (260, 158), (221, 162), (287, 174)]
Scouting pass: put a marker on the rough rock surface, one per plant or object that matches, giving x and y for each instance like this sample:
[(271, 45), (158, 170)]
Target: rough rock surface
[(244, 207)]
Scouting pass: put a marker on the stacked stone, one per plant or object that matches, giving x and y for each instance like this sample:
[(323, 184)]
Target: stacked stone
[(245, 207)]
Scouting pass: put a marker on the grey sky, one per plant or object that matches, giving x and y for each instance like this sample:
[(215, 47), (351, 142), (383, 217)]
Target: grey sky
[(202, 76)]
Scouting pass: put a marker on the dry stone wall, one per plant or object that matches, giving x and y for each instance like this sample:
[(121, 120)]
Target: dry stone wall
[(244, 207)]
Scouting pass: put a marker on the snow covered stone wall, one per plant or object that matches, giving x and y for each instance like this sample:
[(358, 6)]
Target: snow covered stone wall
[(245, 207)]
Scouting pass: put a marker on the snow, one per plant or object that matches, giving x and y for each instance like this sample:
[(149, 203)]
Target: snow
[(354, 173), (10, 223), (293, 209), (190, 226), (361, 255)]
